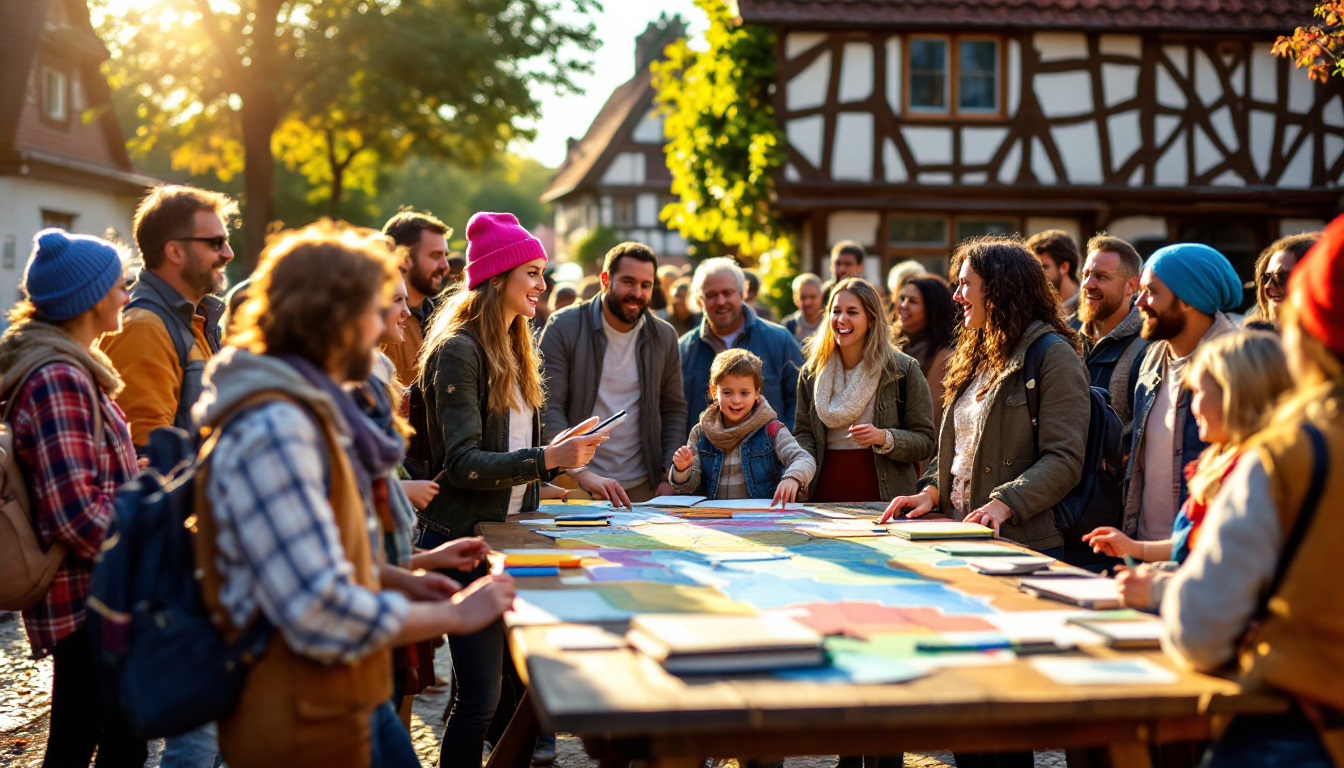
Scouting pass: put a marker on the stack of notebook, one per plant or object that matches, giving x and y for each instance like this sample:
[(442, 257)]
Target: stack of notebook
[(920, 531), (704, 644), (1093, 593)]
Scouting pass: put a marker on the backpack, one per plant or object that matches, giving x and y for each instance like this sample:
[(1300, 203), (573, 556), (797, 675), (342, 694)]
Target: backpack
[(162, 656), (26, 571), (1098, 499)]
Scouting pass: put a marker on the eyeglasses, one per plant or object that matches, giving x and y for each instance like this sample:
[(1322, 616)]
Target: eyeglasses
[(216, 243), (1278, 279)]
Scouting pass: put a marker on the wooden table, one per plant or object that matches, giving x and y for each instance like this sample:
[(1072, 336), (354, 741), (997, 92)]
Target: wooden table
[(625, 707)]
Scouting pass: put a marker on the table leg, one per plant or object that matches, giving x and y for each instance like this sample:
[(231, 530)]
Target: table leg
[(515, 747), (1129, 754)]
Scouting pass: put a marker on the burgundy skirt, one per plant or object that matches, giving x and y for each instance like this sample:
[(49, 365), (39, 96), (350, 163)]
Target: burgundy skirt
[(848, 475)]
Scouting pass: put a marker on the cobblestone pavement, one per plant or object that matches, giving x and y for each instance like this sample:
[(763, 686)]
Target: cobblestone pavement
[(25, 700)]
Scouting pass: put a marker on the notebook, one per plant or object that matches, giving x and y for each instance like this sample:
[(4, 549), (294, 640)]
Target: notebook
[(1124, 634), (981, 549), (918, 531), (1008, 566), (699, 644), (1085, 593)]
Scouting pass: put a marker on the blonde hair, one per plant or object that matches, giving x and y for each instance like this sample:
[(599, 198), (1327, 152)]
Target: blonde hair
[(511, 359), (877, 346), (1250, 369)]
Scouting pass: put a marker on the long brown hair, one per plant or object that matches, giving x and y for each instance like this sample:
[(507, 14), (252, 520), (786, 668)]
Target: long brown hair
[(511, 359), (1016, 294), (877, 345)]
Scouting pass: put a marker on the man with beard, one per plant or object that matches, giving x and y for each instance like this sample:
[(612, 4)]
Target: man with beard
[(1183, 292), (610, 354), (1058, 255), (424, 240), (1111, 322), (171, 326)]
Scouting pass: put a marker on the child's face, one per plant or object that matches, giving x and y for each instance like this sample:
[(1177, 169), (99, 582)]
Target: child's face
[(1207, 404), (736, 396)]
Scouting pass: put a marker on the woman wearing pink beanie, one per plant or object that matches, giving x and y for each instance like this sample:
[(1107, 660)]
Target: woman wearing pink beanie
[(481, 378)]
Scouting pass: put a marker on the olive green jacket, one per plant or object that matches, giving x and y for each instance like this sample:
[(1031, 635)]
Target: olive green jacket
[(472, 445), (1008, 464), (902, 408)]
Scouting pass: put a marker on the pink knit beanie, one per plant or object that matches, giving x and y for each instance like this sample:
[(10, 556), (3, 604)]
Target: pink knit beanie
[(496, 243)]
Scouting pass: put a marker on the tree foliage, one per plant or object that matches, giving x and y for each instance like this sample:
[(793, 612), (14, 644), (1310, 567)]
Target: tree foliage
[(1317, 47), (724, 143), (336, 87)]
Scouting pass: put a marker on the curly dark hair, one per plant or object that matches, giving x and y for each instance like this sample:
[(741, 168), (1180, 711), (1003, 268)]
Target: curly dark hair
[(941, 311), (1016, 295)]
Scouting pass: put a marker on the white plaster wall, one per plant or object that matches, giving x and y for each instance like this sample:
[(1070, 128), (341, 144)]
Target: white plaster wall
[(21, 204), (978, 145), (1165, 125), (893, 166), (1080, 149), (1171, 170), (935, 177), (859, 226), (856, 72), (1264, 73), (1206, 156), (1040, 163), (1012, 163), (894, 82), (798, 43), (1298, 172), (1179, 56), (791, 173), (852, 155), (1064, 94), (930, 146), (1299, 226), (1121, 45), (1125, 136), (1133, 228), (1333, 113), (1120, 82), (807, 89), (1169, 94), (1042, 223), (1014, 76), (657, 239), (1060, 46), (646, 210), (1223, 127), (649, 130), (627, 168), (1207, 86), (805, 134), (1301, 93), (674, 244)]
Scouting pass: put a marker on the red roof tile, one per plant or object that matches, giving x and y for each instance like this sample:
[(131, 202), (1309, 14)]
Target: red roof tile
[(1264, 16)]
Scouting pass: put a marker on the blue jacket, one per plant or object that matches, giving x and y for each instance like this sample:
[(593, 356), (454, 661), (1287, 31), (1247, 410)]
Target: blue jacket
[(760, 466), (779, 352)]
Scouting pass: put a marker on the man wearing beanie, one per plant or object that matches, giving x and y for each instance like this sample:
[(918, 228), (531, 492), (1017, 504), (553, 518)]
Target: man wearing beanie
[(1183, 292), (1255, 589), (171, 326)]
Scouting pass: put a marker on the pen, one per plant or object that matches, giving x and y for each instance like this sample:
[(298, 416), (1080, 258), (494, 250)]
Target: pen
[(1129, 563), (439, 476)]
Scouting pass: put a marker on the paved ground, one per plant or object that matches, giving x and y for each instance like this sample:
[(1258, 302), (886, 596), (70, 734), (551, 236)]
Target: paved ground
[(25, 699)]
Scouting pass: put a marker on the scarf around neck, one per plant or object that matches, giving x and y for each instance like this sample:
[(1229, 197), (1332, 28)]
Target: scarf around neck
[(28, 346), (728, 438), (839, 404)]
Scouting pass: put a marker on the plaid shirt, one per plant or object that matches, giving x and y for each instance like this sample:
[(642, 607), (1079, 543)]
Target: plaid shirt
[(72, 479), (279, 547)]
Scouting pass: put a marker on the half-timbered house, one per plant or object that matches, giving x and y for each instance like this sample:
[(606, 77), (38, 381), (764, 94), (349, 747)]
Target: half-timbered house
[(63, 160), (911, 124)]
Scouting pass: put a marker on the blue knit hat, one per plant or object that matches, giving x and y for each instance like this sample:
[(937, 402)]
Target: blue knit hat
[(1198, 275), (68, 274)]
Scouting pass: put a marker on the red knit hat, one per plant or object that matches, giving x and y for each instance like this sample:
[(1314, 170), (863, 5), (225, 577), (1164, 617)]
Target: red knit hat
[(496, 243), (1316, 288)]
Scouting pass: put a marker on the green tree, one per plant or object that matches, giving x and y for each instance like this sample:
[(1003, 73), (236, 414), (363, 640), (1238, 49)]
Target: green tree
[(1317, 46), (590, 251), (348, 81)]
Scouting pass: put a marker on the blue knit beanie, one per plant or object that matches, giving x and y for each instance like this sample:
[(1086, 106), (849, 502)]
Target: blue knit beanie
[(1198, 275), (68, 274)]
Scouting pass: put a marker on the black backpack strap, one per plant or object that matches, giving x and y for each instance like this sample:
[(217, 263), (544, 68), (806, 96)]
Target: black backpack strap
[(1031, 374), (1320, 470), (170, 321)]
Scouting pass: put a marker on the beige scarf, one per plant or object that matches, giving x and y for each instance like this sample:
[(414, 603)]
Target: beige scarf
[(30, 345), (839, 404), (728, 438)]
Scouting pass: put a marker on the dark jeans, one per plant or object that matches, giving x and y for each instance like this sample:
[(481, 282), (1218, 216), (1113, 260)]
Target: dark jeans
[(478, 661), (391, 743), (1286, 740), (81, 719)]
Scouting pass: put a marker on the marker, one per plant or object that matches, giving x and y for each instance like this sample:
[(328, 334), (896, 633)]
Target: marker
[(1129, 563), (534, 570)]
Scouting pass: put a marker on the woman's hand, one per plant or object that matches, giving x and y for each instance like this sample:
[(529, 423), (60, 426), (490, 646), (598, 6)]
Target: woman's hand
[(918, 505), (481, 604), (420, 492), (786, 492), (1136, 586), (572, 452), (600, 487), (867, 435), (418, 585), (457, 555), (1113, 543), (992, 515), (682, 458)]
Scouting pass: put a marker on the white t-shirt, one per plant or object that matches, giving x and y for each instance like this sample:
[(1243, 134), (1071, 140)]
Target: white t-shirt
[(621, 458), (731, 338), (520, 437), (1158, 513)]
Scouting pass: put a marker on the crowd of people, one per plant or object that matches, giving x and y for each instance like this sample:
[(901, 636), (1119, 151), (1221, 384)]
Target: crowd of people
[(370, 398)]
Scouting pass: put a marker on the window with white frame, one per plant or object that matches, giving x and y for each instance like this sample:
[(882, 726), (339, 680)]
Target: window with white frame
[(55, 94)]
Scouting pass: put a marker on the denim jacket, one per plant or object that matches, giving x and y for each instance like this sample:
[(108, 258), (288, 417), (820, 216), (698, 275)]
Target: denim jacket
[(1186, 445), (760, 467), (778, 350)]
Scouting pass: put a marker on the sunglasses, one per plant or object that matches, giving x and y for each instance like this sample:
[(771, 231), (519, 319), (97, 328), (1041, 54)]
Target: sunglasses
[(1278, 279), (216, 243)]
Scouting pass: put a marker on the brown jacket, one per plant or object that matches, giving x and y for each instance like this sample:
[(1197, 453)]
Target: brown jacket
[(295, 712), (1008, 465)]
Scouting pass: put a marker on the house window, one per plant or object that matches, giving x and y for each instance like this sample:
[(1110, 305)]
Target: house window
[(54, 94), (929, 67), (917, 231), (967, 228), (58, 220), (623, 212), (954, 75)]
